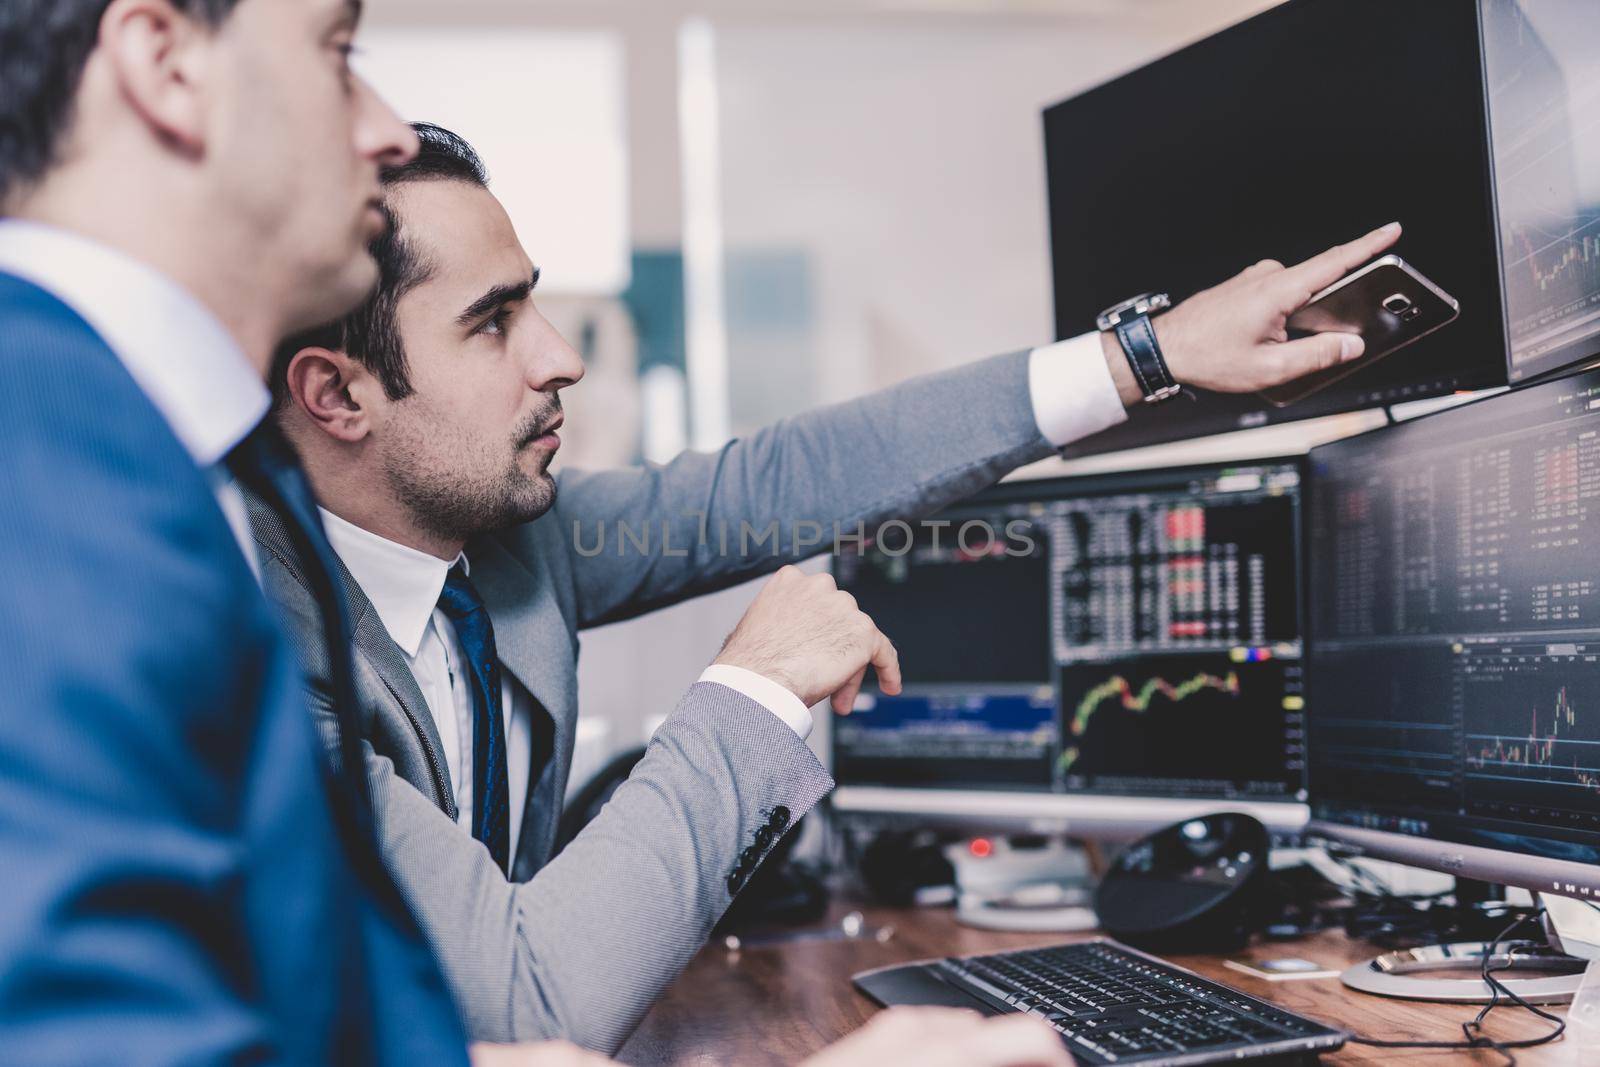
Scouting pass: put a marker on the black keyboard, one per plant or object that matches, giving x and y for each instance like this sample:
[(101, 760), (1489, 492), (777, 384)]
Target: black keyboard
[(1114, 1005)]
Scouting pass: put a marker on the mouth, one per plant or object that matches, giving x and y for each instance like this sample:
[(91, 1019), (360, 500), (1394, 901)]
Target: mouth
[(547, 438)]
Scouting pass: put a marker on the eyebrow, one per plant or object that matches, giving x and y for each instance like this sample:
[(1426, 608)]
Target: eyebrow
[(500, 294)]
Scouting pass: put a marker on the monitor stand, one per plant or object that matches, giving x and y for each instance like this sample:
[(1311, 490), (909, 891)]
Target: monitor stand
[(1044, 886), (1573, 929)]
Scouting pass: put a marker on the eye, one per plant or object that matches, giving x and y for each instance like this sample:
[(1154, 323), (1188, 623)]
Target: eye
[(346, 52), (496, 326)]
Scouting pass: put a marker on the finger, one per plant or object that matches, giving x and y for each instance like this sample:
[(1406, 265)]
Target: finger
[(1015, 1041), (1311, 354), (886, 661), (844, 698), (1265, 267), (1319, 272)]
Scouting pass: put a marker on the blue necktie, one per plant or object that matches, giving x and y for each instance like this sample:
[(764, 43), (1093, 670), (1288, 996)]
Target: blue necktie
[(491, 789)]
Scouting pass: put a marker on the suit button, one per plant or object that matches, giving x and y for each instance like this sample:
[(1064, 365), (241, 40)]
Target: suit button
[(763, 838), (748, 857), (780, 818), (736, 881)]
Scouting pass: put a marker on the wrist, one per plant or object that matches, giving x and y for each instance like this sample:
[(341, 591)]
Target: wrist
[(1169, 335), (767, 671), (1121, 371), (1168, 329), (780, 699)]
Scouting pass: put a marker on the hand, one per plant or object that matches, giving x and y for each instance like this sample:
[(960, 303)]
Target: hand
[(807, 635), (543, 1054), (1234, 338), (946, 1037)]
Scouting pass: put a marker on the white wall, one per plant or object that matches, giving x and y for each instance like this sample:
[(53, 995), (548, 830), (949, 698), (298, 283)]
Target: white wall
[(544, 108)]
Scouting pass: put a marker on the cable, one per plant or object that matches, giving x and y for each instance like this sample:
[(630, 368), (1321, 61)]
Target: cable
[(1473, 1029)]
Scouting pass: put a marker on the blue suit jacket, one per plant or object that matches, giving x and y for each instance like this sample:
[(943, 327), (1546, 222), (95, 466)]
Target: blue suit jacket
[(171, 886)]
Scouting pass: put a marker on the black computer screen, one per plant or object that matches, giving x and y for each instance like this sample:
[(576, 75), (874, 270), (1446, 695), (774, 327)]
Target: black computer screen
[(1543, 65), (1300, 128), (1134, 633), (1454, 625)]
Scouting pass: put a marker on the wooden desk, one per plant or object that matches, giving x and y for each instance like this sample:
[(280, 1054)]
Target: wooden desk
[(775, 1005)]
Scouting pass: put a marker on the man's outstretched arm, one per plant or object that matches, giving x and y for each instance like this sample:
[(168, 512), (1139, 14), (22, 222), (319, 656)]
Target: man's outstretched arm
[(642, 538)]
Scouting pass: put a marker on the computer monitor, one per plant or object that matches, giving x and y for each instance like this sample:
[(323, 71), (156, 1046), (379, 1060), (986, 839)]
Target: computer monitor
[(1095, 655), (1454, 640), (1304, 126), (1543, 65)]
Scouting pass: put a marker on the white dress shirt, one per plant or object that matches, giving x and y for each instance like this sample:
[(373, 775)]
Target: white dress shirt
[(404, 586), (181, 356)]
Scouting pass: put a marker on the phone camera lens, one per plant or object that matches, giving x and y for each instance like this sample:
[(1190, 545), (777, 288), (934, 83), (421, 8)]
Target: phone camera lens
[(1398, 304)]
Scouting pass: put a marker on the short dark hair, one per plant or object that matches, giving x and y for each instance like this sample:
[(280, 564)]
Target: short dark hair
[(44, 47), (369, 334)]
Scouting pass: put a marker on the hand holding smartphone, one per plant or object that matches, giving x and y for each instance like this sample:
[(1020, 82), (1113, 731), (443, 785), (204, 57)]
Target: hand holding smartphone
[(1388, 302)]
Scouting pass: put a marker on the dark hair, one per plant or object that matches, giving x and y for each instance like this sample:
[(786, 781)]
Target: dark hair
[(44, 47), (369, 333)]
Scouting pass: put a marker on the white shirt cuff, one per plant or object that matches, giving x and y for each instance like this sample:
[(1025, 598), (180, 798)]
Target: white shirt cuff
[(764, 691), (1072, 390)]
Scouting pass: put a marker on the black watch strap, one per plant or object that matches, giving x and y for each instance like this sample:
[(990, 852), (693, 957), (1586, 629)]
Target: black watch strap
[(1138, 339)]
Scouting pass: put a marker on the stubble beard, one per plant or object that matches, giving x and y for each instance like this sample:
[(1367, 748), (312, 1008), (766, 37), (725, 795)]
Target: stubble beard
[(457, 500)]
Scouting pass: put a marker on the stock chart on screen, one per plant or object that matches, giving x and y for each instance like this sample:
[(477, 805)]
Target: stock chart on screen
[(1132, 633), (1455, 620), (1542, 61)]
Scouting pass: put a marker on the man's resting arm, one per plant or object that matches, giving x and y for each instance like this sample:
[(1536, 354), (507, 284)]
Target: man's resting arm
[(582, 950)]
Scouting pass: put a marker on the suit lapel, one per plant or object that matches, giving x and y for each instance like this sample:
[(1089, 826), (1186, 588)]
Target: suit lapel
[(396, 695), (535, 646), (374, 645)]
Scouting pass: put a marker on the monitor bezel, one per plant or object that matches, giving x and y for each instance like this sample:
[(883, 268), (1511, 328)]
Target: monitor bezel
[(1093, 814), (1522, 870)]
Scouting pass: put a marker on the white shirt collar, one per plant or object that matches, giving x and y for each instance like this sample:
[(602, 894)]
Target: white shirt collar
[(402, 583), (184, 360)]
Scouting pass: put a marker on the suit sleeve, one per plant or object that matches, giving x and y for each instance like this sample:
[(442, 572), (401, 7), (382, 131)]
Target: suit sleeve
[(124, 720), (582, 950), (643, 538)]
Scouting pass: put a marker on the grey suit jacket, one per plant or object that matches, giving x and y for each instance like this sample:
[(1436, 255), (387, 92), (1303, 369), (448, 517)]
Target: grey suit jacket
[(580, 946)]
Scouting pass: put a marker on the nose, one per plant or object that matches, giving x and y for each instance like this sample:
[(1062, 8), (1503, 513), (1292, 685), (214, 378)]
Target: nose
[(552, 363), (557, 367), (382, 135)]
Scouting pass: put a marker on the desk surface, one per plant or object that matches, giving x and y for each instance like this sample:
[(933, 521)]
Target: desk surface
[(777, 1004)]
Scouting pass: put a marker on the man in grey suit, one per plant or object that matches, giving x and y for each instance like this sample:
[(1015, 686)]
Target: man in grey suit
[(427, 422)]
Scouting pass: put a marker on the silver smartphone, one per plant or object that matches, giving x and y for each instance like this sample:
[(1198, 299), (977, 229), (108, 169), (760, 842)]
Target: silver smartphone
[(1388, 302)]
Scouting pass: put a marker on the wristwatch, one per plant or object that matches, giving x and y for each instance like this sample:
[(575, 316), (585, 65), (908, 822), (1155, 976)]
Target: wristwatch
[(1131, 321)]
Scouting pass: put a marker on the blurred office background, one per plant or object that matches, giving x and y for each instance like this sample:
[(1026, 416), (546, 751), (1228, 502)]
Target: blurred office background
[(744, 208)]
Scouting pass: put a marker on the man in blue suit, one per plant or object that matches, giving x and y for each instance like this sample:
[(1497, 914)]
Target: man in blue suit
[(185, 881)]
